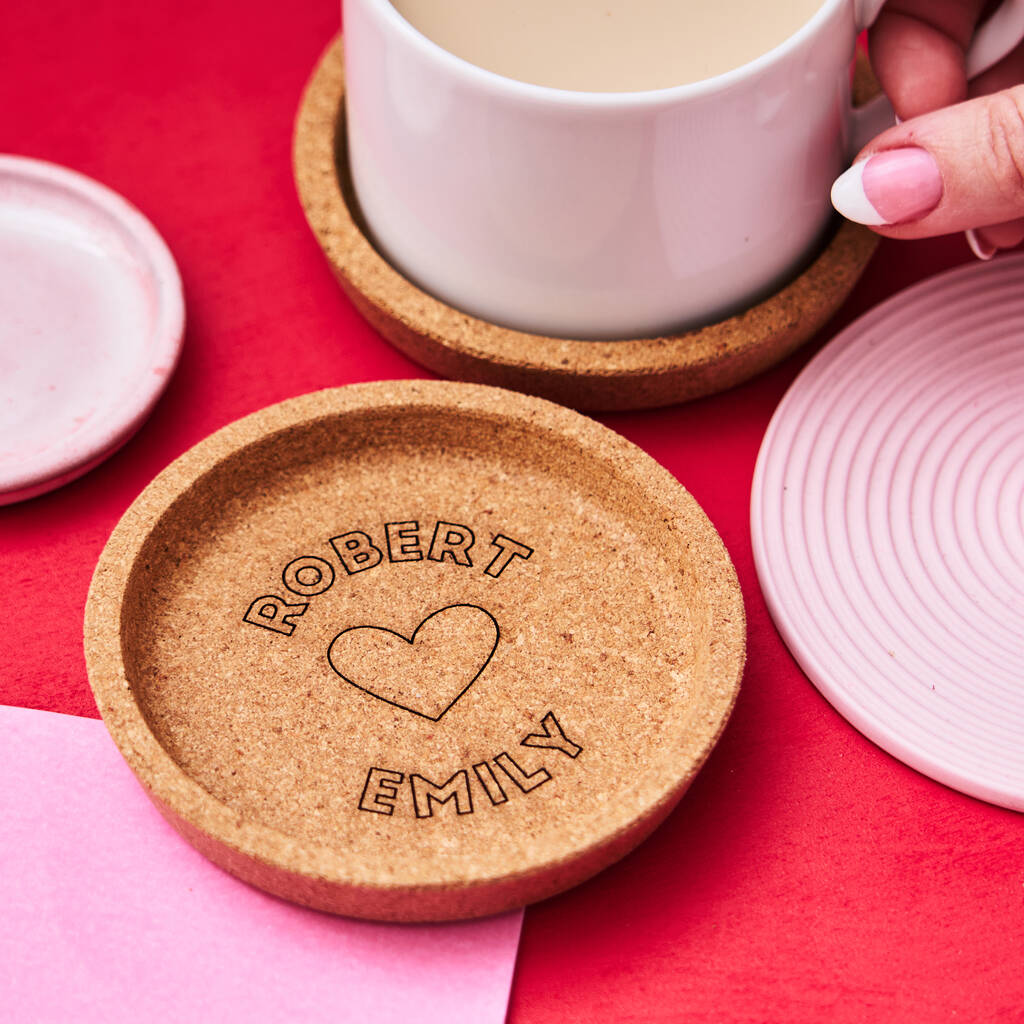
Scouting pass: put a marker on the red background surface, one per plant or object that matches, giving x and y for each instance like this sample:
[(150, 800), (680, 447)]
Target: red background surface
[(807, 875)]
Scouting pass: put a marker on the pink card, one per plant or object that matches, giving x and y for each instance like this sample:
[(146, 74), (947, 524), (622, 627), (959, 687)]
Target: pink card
[(109, 915)]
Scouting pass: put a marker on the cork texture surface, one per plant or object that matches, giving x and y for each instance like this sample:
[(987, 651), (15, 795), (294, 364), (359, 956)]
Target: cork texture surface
[(415, 650), (590, 375)]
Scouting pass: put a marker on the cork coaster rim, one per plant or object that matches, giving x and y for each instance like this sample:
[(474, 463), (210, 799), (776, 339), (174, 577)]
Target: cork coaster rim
[(180, 796), (584, 374)]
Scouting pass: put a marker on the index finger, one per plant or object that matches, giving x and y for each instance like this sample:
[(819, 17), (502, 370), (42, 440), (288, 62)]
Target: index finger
[(917, 51)]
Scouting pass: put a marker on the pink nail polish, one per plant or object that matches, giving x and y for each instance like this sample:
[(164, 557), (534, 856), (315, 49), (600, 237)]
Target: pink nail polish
[(893, 187), (903, 184)]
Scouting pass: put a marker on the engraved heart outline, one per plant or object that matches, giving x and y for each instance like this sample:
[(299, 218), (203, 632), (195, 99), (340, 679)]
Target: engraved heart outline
[(411, 641)]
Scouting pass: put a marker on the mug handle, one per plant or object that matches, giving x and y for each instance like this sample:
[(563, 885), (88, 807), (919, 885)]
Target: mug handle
[(994, 39)]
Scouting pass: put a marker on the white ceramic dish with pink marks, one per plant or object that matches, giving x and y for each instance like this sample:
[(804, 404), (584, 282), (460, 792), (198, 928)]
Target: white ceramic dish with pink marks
[(91, 324), (888, 527)]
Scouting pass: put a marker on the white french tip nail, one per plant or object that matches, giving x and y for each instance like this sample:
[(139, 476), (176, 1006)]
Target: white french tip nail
[(981, 249), (850, 199)]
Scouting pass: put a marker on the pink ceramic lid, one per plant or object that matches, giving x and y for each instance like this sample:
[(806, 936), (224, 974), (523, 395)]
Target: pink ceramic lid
[(91, 324), (888, 526)]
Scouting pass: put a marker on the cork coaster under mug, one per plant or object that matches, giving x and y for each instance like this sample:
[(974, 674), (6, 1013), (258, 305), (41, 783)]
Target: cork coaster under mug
[(415, 650), (595, 375)]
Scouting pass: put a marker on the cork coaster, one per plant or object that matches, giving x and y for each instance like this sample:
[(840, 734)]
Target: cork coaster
[(596, 375), (415, 650)]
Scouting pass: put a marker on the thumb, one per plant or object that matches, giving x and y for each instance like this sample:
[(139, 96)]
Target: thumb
[(958, 168)]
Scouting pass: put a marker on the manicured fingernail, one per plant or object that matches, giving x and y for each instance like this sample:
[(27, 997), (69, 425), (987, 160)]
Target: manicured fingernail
[(893, 187), (982, 249)]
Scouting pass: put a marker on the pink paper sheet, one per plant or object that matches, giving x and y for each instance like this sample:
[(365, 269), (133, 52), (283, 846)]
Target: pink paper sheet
[(108, 915)]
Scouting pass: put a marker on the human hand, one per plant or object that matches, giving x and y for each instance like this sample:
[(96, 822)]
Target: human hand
[(956, 162)]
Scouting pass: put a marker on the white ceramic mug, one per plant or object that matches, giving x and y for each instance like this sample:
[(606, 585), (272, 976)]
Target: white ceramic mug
[(597, 215)]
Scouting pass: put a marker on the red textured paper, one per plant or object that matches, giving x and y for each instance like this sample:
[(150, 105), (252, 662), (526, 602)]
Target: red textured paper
[(807, 876)]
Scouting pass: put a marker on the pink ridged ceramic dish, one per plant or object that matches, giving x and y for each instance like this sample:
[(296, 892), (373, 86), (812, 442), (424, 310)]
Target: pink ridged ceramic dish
[(91, 324), (888, 527)]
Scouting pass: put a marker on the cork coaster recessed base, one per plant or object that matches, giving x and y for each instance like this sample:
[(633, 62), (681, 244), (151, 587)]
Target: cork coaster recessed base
[(595, 375), (415, 650)]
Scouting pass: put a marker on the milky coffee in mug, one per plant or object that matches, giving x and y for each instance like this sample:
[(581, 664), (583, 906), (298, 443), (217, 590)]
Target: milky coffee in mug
[(589, 212), (608, 45)]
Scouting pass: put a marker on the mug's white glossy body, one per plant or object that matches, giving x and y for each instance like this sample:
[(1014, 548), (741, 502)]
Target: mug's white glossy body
[(596, 215)]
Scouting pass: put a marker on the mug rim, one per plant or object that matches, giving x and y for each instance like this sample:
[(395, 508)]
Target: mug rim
[(494, 82)]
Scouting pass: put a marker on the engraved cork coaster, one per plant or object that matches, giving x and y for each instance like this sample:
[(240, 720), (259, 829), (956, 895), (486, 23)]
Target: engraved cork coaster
[(597, 375), (415, 650)]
